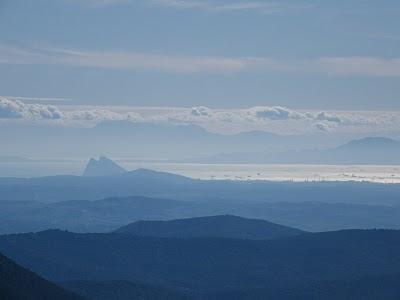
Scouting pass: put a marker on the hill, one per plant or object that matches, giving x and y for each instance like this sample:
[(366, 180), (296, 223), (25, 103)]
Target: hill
[(18, 283), (226, 226), (204, 265), (102, 167)]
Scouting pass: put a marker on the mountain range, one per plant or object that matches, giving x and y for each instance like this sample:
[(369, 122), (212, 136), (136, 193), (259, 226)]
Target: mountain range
[(143, 140), (370, 150), (111, 213)]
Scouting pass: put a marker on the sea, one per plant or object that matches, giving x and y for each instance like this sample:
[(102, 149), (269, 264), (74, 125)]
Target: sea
[(389, 174)]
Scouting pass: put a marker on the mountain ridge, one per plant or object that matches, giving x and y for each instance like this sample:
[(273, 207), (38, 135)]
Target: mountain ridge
[(226, 226)]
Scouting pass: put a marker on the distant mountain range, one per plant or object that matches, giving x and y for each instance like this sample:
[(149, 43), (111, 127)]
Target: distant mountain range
[(111, 213), (102, 167), (225, 226), (370, 150), (220, 266), (18, 283), (191, 143), (143, 140)]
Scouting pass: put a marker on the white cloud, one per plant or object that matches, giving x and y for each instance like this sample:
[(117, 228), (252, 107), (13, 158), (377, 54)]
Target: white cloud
[(201, 111), (269, 118), (324, 116), (274, 113), (10, 109), (97, 114), (15, 109), (324, 127)]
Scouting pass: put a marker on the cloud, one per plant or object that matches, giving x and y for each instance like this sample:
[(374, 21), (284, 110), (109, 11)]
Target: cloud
[(15, 109), (276, 119), (214, 6), (97, 114), (101, 2), (123, 60), (324, 127), (324, 116), (274, 113), (201, 111), (367, 66), (130, 60), (11, 109)]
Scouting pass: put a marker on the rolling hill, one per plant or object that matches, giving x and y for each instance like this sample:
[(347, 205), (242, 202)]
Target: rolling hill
[(225, 226)]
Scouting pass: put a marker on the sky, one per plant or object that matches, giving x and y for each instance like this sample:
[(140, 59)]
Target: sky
[(328, 66)]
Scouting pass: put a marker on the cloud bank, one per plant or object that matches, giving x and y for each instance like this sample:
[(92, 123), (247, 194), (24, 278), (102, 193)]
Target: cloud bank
[(15, 109), (269, 118)]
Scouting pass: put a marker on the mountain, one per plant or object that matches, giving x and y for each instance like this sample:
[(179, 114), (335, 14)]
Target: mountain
[(373, 142), (18, 283), (225, 226), (369, 150), (102, 167), (122, 290), (204, 265), (153, 141)]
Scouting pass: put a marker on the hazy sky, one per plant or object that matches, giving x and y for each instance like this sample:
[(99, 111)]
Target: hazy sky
[(222, 54)]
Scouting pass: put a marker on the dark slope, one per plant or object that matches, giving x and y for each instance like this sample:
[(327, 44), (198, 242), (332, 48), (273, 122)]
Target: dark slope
[(102, 167), (122, 290), (206, 264), (18, 283), (226, 226)]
